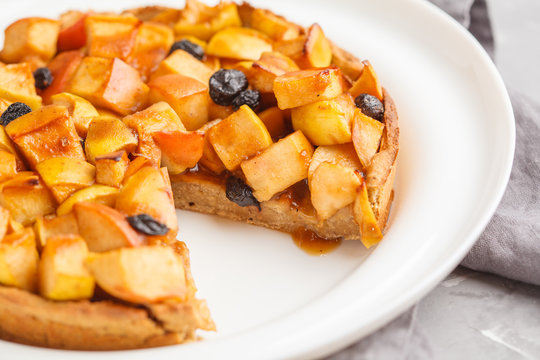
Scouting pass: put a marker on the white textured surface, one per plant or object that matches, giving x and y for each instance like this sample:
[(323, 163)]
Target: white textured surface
[(477, 316)]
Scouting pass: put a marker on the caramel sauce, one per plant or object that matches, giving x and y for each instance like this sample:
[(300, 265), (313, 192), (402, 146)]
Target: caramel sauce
[(298, 197), (314, 245), (201, 173)]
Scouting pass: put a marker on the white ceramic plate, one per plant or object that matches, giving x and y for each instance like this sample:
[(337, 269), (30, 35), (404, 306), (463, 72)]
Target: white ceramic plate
[(271, 300)]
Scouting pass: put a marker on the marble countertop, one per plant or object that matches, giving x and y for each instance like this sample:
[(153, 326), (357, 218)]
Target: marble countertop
[(472, 315)]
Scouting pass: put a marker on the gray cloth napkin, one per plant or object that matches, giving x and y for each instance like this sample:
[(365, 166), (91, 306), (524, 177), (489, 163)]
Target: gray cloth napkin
[(510, 244)]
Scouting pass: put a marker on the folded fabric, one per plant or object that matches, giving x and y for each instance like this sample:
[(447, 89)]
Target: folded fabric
[(510, 245)]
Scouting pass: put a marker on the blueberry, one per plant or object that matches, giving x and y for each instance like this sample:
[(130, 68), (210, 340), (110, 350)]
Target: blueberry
[(226, 84), (240, 193), (147, 225), (189, 47), (370, 106), (43, 78), (251, 98), (13, 112)]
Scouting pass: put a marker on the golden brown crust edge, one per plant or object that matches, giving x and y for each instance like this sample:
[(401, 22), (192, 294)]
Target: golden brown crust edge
[(207, 196), (104, 325)]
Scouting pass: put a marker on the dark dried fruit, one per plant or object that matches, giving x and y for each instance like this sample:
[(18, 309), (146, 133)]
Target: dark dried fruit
[(43, 78), (226, 84), (13, 112), (240, 193), (189, 47), (147, 225), (370, 106), (251, 98)]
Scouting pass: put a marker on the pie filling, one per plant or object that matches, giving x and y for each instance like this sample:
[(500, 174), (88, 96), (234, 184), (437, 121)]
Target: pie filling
[(112, 121)]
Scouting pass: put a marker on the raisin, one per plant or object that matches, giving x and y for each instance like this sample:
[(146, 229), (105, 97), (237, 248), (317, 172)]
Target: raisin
[(251, 98), (13, 112), (43, 78), (189, 47), (370, 106), (226, 84), (147, 225), (240, 193)]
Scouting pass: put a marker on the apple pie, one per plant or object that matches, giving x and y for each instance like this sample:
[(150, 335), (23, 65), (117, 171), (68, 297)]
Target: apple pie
[(110, 122)]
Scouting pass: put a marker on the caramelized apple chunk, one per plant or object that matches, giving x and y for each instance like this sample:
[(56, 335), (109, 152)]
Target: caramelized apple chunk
[(107, 135), (19, 260), (111, 168), (146, 274), (62, 271), (26, 197), (239, 137), (307, 86), (187, 96), (281, 165), (109, 83), (239, 43), (30, 37)]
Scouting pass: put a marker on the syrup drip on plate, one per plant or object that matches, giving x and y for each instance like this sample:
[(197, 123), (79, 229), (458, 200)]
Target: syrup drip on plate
[(314, 245)]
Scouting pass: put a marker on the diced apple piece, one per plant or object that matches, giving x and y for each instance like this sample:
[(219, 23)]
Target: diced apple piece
[(364, 216), (180, 150), (17, 84), (210, 158), (111, 36), (326, 122), (26, 197), (158, 117), (366, 136), (63, 176), (14, 226), (152, 43), (182, 63), (28, 37), (148, 191), (137, 164), (107, 135), (239, 43), (281, 165), (62, 271), (46, 227), (111, 168), (332, 187), (109, 83), (216, 111), (202, 21), (49, 125), (187, 96), (101, 194), (81, 110), (4, 222), (307, 86), (146, 274), (343, 155), (156, 13), (239, 137), (273, 25), (72, 34), (275, 121), (367, 83), (104, 228), (263, 72), (8, 165), (62, 68), (19, 260), (5, 142), (309, 51), (349, 64)]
